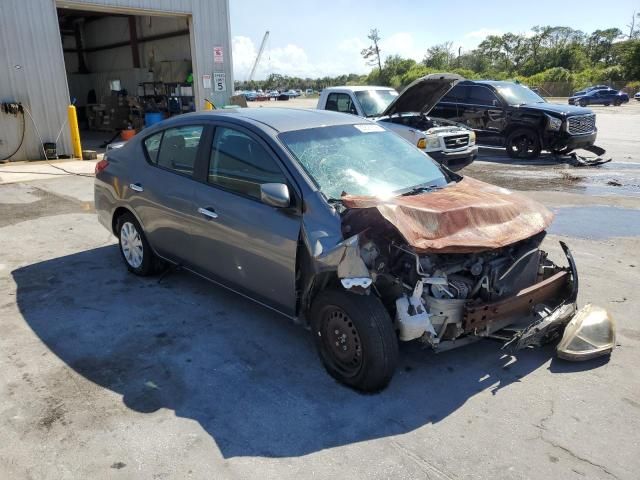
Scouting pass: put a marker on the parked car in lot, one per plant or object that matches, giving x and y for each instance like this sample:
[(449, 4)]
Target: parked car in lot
[(600, 97), (637, 96), (590, 89), (450, 144), (335, 221), (507, 114)]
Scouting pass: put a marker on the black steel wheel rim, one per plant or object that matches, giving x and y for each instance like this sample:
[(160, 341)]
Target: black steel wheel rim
[(341, 341), (522, 145)]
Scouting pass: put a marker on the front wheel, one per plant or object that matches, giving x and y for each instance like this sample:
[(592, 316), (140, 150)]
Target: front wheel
[(355, 339), (523, 143), (583, 103)]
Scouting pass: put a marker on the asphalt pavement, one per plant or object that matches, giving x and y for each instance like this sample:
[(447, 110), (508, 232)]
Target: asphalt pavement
[(107, 375)]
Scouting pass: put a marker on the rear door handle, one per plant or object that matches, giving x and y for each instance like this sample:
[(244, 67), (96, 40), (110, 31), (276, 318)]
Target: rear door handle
[(207, 212), (136, 187)]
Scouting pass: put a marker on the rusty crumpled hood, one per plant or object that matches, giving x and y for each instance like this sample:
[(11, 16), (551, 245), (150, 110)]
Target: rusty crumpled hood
[(469, 216)]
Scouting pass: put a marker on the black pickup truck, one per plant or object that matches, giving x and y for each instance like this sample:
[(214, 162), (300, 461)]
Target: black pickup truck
[(507, 114)]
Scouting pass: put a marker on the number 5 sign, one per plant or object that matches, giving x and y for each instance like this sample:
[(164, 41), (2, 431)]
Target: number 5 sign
[(219, 82)]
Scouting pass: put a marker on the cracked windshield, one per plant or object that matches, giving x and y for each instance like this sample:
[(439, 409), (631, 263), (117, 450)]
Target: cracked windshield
[(361, 160)]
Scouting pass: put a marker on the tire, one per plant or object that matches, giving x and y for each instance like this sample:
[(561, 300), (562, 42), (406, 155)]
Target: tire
[(607, 104), (134, 248), (583, 103), (617, 103), (364, 331), (523, 143)]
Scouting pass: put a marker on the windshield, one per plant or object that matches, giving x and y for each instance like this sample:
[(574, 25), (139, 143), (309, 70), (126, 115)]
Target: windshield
[(374, 102), (362, 159), (516, 94)]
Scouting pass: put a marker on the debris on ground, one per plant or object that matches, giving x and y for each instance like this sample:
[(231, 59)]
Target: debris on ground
[(614, 183)]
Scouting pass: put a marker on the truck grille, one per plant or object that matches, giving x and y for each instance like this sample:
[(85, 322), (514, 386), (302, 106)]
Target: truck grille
[(581, 124), (454, 142)]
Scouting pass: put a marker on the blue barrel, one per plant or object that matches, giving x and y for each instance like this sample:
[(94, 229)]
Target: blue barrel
[(152, 118)]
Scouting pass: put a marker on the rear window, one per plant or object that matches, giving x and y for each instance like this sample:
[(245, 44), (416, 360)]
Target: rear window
[(152, 146)]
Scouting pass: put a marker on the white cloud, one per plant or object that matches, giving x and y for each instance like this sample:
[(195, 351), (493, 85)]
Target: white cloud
[(293, 60), (471, 40), (403, 44)]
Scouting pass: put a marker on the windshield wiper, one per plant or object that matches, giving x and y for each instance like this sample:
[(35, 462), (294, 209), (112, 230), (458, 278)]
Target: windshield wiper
[(419, 190)]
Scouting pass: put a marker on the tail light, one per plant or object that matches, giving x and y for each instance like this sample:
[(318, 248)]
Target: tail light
[(101, 165)]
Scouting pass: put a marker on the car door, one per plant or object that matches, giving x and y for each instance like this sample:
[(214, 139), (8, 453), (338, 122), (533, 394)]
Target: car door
[(453, 105), (162, 193), (239, 241), (486, 114)]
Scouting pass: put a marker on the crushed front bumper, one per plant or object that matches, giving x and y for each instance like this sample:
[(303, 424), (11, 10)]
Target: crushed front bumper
[(503, 319)]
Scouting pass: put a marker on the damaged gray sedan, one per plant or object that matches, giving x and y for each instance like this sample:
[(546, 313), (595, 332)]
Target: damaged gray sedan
[(344, 226)]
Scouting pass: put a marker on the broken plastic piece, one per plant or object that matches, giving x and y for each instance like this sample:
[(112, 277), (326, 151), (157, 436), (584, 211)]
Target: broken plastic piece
[(411, 316)]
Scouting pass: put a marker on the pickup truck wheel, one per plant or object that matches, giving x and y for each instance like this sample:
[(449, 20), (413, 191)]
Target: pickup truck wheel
[(134, 248), (523, 143), (355, 339)]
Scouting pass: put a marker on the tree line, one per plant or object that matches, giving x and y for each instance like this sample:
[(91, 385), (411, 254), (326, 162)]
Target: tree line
[(546, 54)]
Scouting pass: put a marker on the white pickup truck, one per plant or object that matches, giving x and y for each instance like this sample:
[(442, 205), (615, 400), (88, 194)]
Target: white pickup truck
[(449, 143)]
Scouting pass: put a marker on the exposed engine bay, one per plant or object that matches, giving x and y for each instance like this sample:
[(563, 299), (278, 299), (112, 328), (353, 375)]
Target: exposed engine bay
[(452, 269), (424, 123)]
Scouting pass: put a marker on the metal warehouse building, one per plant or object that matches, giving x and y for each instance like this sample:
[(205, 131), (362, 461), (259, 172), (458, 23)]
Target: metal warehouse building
[(117, 60)]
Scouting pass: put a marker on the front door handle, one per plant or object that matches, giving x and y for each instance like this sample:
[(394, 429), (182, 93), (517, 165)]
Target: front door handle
[(136, 187), (207, 212)]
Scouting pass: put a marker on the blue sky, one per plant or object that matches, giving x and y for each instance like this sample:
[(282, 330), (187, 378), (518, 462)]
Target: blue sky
[(317, 38)]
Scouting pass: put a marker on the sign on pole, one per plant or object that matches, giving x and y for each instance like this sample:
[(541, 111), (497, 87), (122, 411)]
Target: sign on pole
[(219, 82), (218, 55)]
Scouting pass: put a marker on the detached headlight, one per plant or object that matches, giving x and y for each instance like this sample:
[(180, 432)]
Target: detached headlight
[(472, 138), (553, 123), (590, 333)]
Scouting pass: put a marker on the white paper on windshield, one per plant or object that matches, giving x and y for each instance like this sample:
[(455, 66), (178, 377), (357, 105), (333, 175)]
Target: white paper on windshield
[(368, 128)]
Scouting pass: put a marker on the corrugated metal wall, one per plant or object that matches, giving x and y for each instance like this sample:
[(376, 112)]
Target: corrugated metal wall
[(30, 40)]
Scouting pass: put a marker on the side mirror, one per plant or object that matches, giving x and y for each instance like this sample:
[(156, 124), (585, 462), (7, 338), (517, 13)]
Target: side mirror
[(275, 194)]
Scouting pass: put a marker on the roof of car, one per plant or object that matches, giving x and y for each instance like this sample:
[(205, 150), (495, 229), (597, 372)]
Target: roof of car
[(358, 88), (284, 119)]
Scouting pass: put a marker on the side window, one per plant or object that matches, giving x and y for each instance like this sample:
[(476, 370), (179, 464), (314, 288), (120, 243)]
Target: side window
[(179, 148), (457, 94), (240, 164), (340, 102), (480, 95), (152, 146)]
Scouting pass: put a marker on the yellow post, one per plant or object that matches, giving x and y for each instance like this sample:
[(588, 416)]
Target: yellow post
[(208, 104), (75, 131)]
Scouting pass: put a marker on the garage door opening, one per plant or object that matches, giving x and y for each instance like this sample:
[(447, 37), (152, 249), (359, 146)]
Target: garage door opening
[(122, 69)]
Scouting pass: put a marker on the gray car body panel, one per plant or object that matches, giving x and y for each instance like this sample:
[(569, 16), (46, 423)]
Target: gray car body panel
[(251, 248)]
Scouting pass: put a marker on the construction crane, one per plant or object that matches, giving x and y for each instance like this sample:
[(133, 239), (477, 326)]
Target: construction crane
[(255, 64)]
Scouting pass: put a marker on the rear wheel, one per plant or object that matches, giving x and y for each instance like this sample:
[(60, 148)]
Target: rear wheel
[(617, 103), (134, 248), (355, 339), (523, 143)]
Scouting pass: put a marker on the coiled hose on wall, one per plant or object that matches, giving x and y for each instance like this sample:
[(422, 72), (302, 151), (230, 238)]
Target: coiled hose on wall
[(14, 109)]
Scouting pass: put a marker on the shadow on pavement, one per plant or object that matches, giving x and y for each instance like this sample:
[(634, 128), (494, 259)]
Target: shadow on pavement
[(250, 377)]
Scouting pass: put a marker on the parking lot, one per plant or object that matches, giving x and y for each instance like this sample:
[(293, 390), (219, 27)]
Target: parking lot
[(108, 375)]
